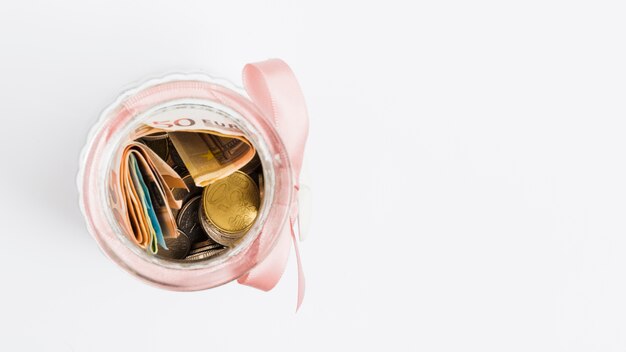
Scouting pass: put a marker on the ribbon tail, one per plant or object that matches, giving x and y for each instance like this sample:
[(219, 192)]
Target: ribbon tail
[(267, 273), (301, 280)]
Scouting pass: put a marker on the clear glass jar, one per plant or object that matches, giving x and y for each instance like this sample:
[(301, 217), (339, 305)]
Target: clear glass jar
[(182, 99)]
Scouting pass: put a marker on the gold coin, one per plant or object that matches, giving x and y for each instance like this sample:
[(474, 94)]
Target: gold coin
[(232, 203)]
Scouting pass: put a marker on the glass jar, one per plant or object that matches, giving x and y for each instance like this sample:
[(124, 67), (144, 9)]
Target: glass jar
[(182, 101)]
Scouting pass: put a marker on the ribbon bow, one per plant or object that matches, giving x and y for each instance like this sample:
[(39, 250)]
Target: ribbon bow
[(273, 87)]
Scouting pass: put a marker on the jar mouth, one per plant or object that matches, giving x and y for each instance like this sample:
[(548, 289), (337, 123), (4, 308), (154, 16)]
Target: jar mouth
[(204, 99), (205, 108)]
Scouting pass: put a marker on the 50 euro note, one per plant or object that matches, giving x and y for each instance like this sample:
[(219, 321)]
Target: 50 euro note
[(146, 183), (211, 156), (209, 143)]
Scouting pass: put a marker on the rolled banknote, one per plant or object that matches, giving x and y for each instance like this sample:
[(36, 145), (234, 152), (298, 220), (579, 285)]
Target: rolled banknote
[(211, 156)]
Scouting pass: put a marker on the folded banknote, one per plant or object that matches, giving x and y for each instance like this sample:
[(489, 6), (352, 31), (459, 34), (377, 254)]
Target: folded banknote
[(146, 183)]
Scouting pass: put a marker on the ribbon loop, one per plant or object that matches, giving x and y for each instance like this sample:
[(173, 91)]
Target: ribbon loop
[(273, 87)]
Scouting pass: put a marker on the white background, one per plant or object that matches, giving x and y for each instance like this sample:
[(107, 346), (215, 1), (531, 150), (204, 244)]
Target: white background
[(467, 164)]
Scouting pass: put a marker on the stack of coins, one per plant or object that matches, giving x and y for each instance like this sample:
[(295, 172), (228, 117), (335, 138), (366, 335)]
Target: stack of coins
[(229, 208), (212, 218)]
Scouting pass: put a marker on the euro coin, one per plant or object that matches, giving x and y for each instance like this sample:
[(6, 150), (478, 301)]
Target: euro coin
[(177, 247), (187, 220), (215, 234), (204, 254), (203, 245), (231, 203)]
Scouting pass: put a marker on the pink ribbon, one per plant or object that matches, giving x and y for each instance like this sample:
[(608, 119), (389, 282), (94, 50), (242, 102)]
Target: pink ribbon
[(274, 89)]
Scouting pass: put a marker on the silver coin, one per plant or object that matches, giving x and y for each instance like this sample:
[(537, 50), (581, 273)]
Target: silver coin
[(177, 247), (187, 220), (195, 247), (204, 254), (208, 245)]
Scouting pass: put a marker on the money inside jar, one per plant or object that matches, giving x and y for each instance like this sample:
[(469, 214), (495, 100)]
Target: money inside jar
[(189, 195)]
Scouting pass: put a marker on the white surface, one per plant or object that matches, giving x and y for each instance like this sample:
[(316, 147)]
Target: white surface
[(467, 166)]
